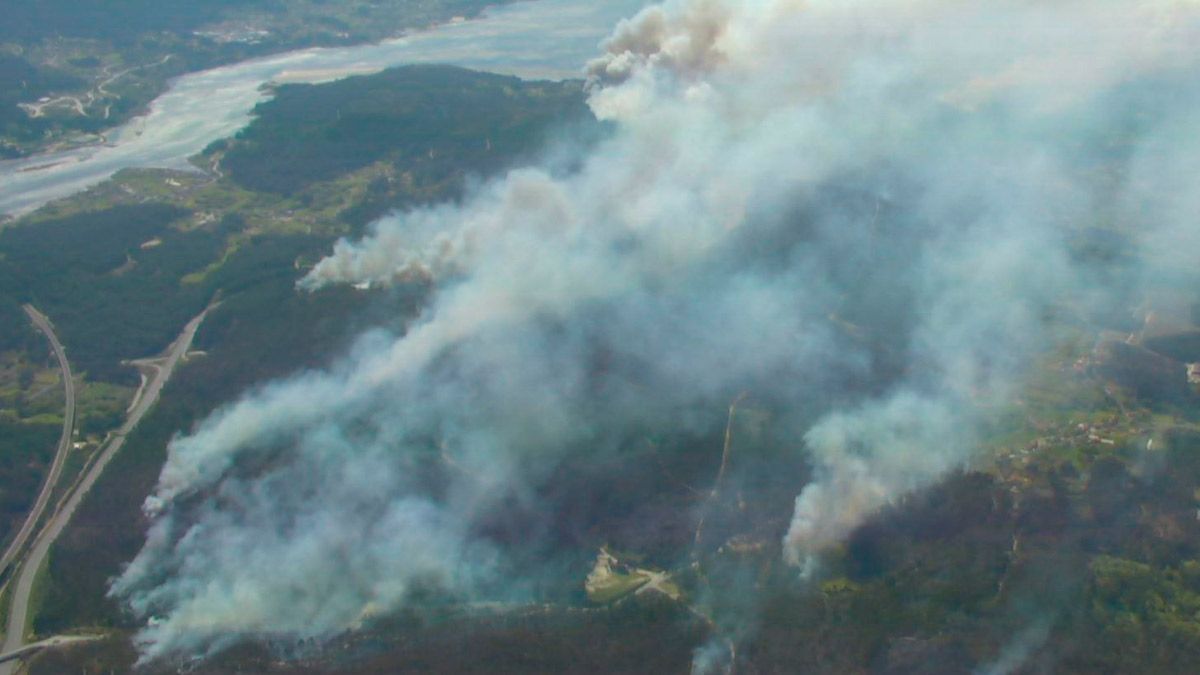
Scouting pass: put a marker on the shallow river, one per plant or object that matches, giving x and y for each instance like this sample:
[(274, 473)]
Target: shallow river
[(549, 39)]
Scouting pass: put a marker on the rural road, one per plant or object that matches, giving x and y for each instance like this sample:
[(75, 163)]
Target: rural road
[(64, 442), (56, 641), (163, 367)]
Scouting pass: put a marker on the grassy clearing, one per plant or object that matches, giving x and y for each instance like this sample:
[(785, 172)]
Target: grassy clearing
[(616, 586), (100, 407)]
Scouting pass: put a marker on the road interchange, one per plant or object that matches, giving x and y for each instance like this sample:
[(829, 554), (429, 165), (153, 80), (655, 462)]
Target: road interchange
[(157, 371)]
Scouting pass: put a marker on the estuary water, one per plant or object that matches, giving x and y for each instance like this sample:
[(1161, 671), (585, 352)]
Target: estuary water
[(538, 39)]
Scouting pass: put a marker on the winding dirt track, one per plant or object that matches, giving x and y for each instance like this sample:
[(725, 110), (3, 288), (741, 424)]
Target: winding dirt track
[(161, 369)]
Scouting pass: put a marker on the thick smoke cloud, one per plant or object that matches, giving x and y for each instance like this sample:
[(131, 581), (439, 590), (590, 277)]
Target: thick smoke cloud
[(859, 211)]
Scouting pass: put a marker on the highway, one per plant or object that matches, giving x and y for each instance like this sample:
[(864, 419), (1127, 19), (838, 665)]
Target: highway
[(159, 371), (64, 442)]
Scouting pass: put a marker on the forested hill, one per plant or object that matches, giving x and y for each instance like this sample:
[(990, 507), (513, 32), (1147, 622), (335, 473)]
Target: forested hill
[(431, 123)]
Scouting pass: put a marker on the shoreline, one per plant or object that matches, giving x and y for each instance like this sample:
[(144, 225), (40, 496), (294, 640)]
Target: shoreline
[(206, 106), (64, 142)]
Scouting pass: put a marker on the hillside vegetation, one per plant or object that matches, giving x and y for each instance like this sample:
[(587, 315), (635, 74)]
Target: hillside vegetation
[(428, 123)]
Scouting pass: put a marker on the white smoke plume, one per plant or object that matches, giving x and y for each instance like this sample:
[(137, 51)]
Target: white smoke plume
[(859, 210), (1019, 649)]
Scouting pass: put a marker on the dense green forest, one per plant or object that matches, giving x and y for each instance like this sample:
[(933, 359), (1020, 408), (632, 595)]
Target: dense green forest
[(433, 122), (26, 450), (15, 330), (110, 280)]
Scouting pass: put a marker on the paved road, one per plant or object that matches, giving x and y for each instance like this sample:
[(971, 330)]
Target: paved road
[(162, 368), (48, 643), (64, 442)]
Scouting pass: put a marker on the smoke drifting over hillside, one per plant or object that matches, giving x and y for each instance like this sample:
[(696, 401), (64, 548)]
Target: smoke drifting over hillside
[(859, 211)]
